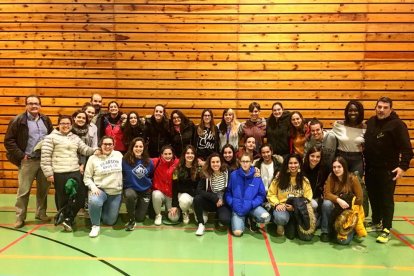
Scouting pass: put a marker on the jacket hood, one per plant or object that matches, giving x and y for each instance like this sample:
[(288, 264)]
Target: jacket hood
[(250, 174)]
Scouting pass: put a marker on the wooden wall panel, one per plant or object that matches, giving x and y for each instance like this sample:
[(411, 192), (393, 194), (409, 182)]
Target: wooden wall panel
[(313, 55)]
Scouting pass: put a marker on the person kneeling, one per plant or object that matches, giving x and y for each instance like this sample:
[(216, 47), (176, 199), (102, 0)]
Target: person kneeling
[(245, 195), (103, 177)]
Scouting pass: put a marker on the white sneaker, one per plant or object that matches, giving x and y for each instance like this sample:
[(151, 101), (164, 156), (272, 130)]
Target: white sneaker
[(158, 219), (200, 230), (94, 231), (186, 218)]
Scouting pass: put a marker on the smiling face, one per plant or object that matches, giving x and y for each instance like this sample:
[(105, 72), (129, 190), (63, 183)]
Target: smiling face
[(316, 132), (167, 154), (314, 159), (277, 111), (293, 165), (65, 125), (90, 111), (338, 169), (113, 109), (228, 117), (33, 106), (246, 163), (296, 120), (266, 154), (254, 115), (133, 119), (228, 154), (215, 164), (138, 149), (383, 110), (107, 146), (353, 113), (189, 156), (159, 113), (80, 119)]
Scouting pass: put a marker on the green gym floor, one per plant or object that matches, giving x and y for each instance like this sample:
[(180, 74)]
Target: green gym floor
[(43, 249)]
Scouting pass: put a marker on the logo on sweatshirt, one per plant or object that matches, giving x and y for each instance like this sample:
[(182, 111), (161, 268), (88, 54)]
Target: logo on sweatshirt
[(140, 171)]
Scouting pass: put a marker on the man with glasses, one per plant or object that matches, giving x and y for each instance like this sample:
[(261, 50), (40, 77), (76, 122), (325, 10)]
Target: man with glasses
[(24, 132)]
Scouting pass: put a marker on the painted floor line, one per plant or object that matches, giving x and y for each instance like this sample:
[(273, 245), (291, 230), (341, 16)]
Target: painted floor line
[(270, 252), (408, 220), (401, 238), (20, 238), (230, 253), (203, 261)]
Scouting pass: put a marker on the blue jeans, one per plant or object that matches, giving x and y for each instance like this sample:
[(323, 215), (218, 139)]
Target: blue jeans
[(281, 217), (327, 208), (258, 214), (104, 206)]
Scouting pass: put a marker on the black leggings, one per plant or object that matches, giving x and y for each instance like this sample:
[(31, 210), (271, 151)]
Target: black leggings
[(62, 199), (203, 204), (137, 204)]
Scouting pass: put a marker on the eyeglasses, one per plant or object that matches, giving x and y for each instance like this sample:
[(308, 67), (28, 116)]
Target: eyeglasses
[(206, 115), (245, 161), (65, 124), (176, 118), (107, 144), (33, 104)]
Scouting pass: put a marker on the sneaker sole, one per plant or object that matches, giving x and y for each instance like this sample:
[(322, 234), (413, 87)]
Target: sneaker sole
[(67, 227)]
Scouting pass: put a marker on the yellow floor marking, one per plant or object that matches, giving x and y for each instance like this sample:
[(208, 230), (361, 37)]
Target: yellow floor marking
[(204, 261)]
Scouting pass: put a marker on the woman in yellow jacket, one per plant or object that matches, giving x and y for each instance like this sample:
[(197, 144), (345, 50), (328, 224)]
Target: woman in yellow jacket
[(290, 183)]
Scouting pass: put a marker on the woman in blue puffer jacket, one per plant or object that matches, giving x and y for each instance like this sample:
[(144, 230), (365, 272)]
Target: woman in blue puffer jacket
[(245, 195)]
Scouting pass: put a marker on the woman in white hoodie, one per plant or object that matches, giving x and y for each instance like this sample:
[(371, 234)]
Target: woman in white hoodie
[(103, 177), (60, 163)]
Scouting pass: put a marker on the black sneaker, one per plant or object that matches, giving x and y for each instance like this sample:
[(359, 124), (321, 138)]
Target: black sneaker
[(130, 226), (67, 224), (325, 237)]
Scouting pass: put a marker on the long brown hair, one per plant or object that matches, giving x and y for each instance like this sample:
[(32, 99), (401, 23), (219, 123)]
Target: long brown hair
[(181, 171), (207, 170), (201, 127), (129, 156), (343, 185)]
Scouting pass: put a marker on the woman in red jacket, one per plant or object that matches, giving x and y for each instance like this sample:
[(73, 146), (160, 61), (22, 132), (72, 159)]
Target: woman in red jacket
[(162, 183)]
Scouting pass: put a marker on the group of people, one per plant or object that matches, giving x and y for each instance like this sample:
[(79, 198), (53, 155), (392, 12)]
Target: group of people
[(283, 168)]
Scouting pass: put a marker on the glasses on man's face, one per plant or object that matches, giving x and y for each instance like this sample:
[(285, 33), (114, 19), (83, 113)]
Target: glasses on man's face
[(107, 144), (33, 104)]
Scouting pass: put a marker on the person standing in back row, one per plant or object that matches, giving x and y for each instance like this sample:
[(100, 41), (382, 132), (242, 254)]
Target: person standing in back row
[(387, 155), (24, 132)]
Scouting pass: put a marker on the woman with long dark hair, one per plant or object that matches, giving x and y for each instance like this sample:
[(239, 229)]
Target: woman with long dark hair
[(185, 179), (277, 129), (157, 131), (229, 157), (206, 138), (112, 125), (210, 193), (137, 170), (290, 183), (133, 128), (299, 133), (182, 131)]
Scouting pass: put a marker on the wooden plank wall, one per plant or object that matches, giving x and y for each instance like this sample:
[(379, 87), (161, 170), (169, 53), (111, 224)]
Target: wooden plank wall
[(313, 55)]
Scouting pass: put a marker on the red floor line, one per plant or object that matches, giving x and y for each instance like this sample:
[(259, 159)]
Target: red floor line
[(399, 236), (269, 250), (20, 238), (402, 234), (403, 216), (407, 220), (230, 253)]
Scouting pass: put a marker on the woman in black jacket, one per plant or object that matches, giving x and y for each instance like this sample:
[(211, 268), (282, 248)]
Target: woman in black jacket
[(182, 131), (157, 131)]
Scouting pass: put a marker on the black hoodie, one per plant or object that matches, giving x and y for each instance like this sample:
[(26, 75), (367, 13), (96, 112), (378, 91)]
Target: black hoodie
[(385, 140)]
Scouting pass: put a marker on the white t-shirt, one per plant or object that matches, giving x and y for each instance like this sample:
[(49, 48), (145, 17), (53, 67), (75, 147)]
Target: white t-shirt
[(266, 172)]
